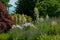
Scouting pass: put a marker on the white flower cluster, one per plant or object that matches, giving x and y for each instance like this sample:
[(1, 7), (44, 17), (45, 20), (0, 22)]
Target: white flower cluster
[(24, 25), (28, 24), (17, 26), (53, 23)]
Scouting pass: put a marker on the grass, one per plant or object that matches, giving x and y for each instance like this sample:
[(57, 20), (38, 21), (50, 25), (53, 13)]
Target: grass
[(44, 31)]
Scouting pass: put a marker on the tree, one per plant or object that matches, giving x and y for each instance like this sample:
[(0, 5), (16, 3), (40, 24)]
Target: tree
[(6, 3), (51, 7), (26, 7)]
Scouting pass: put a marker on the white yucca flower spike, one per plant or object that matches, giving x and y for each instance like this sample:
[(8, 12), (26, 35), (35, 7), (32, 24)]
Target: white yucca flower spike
[(15, 18), (23, 18), (20, 18), (36, 12)]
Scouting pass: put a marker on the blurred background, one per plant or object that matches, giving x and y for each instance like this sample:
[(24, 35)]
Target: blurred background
[(34, 20)]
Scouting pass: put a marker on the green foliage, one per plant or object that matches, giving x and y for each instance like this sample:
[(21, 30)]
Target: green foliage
[(4, 36), (51, 7), (52, 31), (28, 19), (6, 2), (26, 7), (40, 33)]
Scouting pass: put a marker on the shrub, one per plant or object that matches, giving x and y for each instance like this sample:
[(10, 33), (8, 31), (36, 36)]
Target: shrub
[(6, 20)]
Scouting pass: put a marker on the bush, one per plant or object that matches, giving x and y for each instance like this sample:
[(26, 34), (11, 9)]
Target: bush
[(6, 20)]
